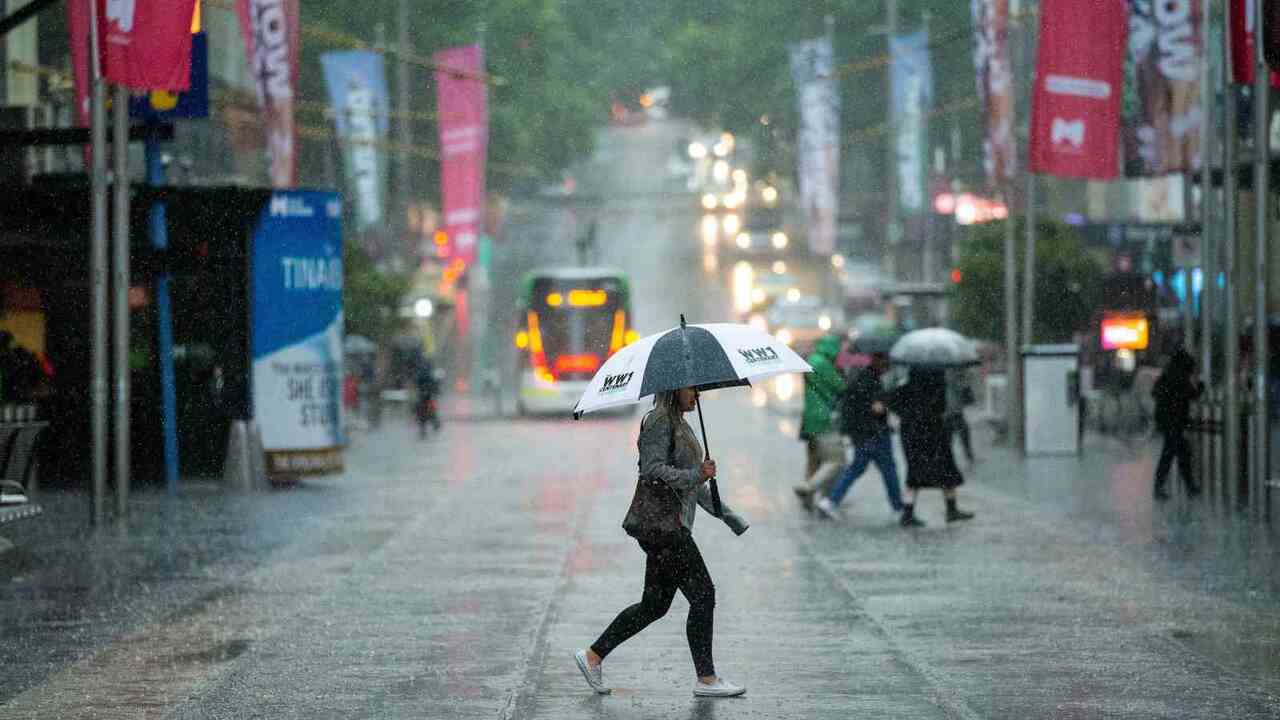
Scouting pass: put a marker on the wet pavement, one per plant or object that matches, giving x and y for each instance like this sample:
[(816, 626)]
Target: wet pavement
[(453, 577)]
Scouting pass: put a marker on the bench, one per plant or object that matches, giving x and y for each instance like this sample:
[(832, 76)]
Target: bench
[(20, 479)]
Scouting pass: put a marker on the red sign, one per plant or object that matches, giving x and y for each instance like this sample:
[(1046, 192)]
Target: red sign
[(146, 44), (272, 39), (1240, 14), (462, 105), (1075, 116)]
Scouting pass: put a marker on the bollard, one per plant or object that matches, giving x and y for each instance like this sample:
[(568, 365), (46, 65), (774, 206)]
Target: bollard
[(245, 466)]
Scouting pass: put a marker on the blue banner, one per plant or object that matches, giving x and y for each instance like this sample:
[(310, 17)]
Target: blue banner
[(357, 84), (297, 331), (911, 93)]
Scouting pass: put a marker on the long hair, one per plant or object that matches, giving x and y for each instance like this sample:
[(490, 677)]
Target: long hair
[(664, 403)]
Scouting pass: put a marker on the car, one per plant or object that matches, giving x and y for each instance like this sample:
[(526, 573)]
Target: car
[(800, 322)]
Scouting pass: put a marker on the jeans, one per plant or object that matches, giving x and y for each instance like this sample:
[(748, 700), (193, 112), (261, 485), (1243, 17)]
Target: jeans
[(878, 450), (668, 568)]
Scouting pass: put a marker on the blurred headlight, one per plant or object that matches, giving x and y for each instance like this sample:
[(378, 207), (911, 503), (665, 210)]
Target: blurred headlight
[(697, 150), (743, 240), (784, 386), (779, 240), (732, 224), (784, 336), (824, 322), (709, 201), (720, 171), (779, 267), (793, 294), (769, 194), (758, 295)]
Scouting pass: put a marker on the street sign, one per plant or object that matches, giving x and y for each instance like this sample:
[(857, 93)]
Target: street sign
[(162, 105)]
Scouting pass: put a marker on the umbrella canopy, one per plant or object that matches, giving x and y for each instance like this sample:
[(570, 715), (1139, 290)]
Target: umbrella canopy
[(359, 345), (870, 344), (705, 357), (934, 347)]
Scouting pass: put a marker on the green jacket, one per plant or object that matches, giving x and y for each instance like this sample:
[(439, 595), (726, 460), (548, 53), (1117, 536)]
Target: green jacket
[(821, 388)]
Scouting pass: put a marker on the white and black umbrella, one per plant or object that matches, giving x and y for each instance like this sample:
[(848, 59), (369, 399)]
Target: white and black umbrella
[(704, 357), (934, 347)]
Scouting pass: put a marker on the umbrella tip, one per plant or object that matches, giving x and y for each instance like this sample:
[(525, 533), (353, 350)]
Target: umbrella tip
[(681, 319)]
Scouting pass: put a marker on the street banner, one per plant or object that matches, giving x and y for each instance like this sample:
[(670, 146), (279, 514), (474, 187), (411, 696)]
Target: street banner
[(147, 43), (1162, 126), (462, 105), (1075, 110), (995, 88), (165, 106), (357, 84), (910, 94), (818, 139), (81, 67), (297, 331), (1240, 14), (272, 39)]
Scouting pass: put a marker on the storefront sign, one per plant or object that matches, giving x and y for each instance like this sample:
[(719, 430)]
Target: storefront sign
[(1125, 332), (297, 332)]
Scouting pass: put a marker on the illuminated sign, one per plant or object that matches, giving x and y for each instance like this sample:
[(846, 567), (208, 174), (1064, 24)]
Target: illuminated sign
[(1125, 332)]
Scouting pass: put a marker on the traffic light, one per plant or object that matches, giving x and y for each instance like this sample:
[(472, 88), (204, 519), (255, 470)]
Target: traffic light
[(956, 276)]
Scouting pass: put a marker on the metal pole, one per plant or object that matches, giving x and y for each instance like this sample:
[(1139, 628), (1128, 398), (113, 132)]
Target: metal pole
[(1261, 216), (1029, 265), (892, 227), (404, 125), (120, 294), (1208, 247), (1230, 320), (98, 274), (1013, 359), (158, 229)]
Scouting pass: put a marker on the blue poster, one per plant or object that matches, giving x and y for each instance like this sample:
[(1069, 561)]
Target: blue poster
[(357, 84), (297, 331), (911, 92)]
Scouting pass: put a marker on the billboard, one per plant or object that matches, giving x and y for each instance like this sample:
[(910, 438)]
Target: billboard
[(818, 139), (1075, 110), (272, 38), (357, 84), (1162, 123), (297, 332), (995, 88)]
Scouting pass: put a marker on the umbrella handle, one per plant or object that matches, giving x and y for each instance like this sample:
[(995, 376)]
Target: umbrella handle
[(715, 491)]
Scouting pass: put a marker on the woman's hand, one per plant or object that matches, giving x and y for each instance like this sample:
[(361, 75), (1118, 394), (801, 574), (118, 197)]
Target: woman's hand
[(708, 469)]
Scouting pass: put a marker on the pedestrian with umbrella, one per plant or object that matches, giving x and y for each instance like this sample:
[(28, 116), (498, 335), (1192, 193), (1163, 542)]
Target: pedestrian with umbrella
[(677, 475), (921, 407)]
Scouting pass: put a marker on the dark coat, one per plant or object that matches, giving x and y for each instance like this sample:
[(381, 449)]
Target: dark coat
[(1173, 393), (856, 418), (921, 405)]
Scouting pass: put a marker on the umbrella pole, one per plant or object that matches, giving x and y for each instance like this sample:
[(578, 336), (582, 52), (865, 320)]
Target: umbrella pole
[(715, 491)]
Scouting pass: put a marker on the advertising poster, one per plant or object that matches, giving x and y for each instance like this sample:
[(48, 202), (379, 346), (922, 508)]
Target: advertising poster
[(995, 88), (818, 140), (1075, 111), (297, 332), (1162, 122), (910, 92), (463, 108), (357, 84), (272, 39)]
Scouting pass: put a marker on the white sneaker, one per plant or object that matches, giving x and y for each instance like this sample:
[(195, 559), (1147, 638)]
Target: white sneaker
[(719, 688), (828, 508), (594, 676)]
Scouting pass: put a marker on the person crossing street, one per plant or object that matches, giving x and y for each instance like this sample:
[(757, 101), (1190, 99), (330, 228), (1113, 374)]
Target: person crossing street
[(864, 418)]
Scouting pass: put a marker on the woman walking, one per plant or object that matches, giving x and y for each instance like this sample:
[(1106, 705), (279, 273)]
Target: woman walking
[(672, 482), (921, 405)]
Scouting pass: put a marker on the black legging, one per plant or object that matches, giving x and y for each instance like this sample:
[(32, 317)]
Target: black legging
[(1177, 448), (675, 567)]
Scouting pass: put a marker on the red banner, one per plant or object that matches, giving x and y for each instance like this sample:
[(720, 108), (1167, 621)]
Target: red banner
[(78, 29), (1240, 14), (462, 105), (147, 43), (272, 39), (1075, 113)]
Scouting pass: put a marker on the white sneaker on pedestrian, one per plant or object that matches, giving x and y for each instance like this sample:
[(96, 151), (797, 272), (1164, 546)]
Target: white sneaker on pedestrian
[(594, 676), (719, 688), (827, 508)]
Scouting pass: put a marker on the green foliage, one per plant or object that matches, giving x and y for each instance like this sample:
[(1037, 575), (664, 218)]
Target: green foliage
[(371, 297), (1066, 288)]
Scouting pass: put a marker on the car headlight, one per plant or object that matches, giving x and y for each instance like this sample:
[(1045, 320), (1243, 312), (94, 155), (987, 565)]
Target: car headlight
[(824, 322), (784, 336)]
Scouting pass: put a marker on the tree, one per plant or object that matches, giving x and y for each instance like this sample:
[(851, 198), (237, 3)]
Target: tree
[(371, 297), (1067, 282)]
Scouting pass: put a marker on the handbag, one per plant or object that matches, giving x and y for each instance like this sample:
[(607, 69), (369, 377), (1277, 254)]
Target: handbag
[(654, 515)]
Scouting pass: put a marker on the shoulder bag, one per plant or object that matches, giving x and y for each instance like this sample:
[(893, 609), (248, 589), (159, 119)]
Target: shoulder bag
[(654, 515)]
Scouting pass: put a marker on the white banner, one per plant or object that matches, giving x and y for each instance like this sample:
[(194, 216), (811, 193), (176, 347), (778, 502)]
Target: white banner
[(818, 144)]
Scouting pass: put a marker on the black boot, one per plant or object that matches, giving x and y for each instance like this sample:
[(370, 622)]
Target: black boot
[(909, 518), (954, 513)]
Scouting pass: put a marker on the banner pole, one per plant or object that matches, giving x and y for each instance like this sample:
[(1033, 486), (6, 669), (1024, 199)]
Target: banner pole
[(98, 272), (1230, 321), (1261, 192), (120, 295)]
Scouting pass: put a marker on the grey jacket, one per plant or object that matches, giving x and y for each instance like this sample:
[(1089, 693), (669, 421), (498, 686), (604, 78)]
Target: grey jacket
[(683, 474)]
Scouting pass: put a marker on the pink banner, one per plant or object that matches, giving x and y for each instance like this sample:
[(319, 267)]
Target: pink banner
[(1075, 111), (462, 105), (272, 39), (147, 43), (78, 29)]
